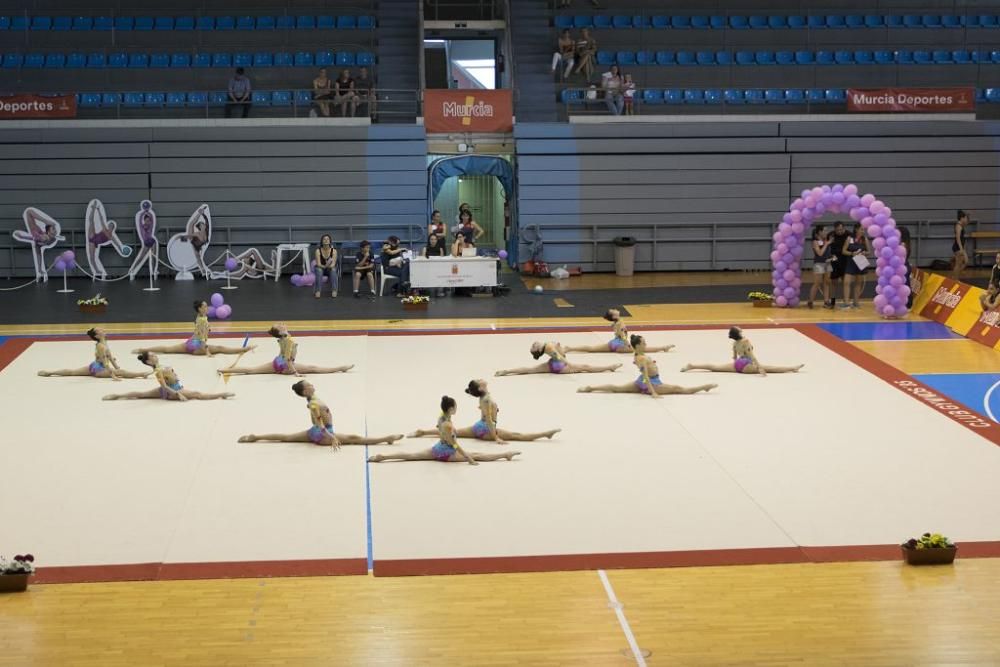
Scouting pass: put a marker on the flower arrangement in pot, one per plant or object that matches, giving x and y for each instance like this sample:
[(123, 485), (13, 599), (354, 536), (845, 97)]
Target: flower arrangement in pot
[(14, 573), (95, 304), (415, 302), (929, 549), (760, 299)]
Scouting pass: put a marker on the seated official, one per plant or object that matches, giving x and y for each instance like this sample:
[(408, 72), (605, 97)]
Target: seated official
[(435, 247), (395, 264), (462, 246)]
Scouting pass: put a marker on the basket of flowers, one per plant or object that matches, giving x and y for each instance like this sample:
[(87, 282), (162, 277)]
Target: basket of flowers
[(95, 304), (415, 302), (760, 299), (14, 573), (929, 549)]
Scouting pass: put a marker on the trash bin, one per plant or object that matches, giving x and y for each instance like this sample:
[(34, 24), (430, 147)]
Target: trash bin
[(624, 255)]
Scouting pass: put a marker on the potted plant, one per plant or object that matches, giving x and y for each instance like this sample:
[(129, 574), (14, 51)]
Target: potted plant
[(760, 299), (415, 302), (95, 304), (929, 549), (14, 573)]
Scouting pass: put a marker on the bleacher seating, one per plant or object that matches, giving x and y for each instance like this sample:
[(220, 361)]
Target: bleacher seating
[(138, 60), (146, 23), (778, 22), (820, 57)]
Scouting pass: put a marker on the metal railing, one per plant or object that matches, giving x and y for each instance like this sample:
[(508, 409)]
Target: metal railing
[(593, 101)]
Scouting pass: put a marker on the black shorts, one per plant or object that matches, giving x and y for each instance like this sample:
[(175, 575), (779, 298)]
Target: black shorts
[(837, 270)]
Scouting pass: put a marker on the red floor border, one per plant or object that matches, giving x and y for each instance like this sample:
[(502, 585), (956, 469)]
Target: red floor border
[(75, 574), (12, 348)]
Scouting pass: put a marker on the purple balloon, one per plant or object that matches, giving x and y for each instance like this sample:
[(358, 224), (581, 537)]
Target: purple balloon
[(788, 258), (820, 207), (780, 266), (502, 254), (901, 311), (887, 253), (850, 189), (230, 264), (775, 275), (787, 218), (878, 243), (888, 311), (68, 255), (881, 219), (805, 193), (891, 240), (296, 279), (852, 201), (837, 188), (60, 265), (796, 252), (798, 228), (788, 275), (217, 300), (212, 311), (223, 312), (808, 215), (70, 264), (896, 261), (880, 301), (874, 230), (781, 301), (896, 280), (781, 284), (888, 291), (794, 301)]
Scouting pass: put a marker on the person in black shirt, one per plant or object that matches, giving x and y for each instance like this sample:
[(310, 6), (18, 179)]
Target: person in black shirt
[(364, 89), (838, 265), (364, 266), (435, 247), (960, 259), (990, 299), (394, 264), (821, 267), (904, 240)]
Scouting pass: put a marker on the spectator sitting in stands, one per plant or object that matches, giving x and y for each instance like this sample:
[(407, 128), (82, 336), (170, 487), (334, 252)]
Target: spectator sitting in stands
[(628, 89), (364, 266), (240, 93), (990, 299), (325, 262), (586, 49), (365, 89), (611, 81), (394, 264), (344, 95), (322, 90), (564, 54)]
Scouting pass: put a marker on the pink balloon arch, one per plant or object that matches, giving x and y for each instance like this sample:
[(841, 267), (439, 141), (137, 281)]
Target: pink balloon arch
[(874, 216)]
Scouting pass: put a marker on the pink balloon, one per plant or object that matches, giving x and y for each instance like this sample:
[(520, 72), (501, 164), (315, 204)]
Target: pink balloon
[(896, 281), (811, 201), (876, 206), (224, 311), (888, 311), (798, 205), (774, 256), (782, 248), (798, 227), (781, 301), (796, 216), (868, 200), (867, 221), (890, 223), (777, 236), (900, 271), (900, 251), (880, 301), (887, 212), (817, 192), (878, 243), (850, 189), (788, 275), (903, 291), (820, 207), (874, 230), (805, 193), (785, 229), (796, 283), (296, 279)]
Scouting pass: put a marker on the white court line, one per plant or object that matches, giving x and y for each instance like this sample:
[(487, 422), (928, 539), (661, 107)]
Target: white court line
[(986, 400), (622, 621)]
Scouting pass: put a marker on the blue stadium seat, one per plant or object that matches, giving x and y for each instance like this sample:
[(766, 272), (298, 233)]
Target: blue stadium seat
[(265, 23), (904, 57), (201, 60), (640, 22), (815, 96), (283, 59), (758, 22), (175, 100), (261, 98), (864, 57), (242, 59), (154, 100), (303, 59), (197, 99), (739, 22), (774, 96), (79, 22), (645, 58), (912, 21), (284, 22), (225, 23), (652, 96), (988, 21), (19, 22), (680, 22), (205, 23), (825, 58), (993, 95), (605, 58), (163, 23), (143, 23), (34, 61), (602, 22), (55, 61), (184, 23), (836, 21), (980, 95), (281, 98), (123, 23), (326, 22), (246, 23), (180, 60), (159, 60), (794, 96), (625, 58), (754, 96), (744, 58), (701, 22), (262, 59), (138, 61), (836, 95), (951, 21), (694, 96), (41, 22), (673, 96), (62, 23), (90, 100), (13, 60), (217, 98), (660, 21), (724, 57), (571, 96), (764, 57), (4, 22), (922, 57), (222, 60), (797, 21), (873, 21), (777, 22), (995, 56), (620, 21), (666, 58), (325, 58), (303, 98), (133, 99), (96, 61), (564, 22), (941, 57), (854, 21), (843, 57), (733, 96), (705, 57), (961, 57), (111, 99), (76, 60), (365, 59), (366, 22), (884, 57), (980, 56), (685, 58), (583, 22), (713, 96), (345, 58), (931, 20), (804, 57), (718, 22), (784, 58), (816, 22)]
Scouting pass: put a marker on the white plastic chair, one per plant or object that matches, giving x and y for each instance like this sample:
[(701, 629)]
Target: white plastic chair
[(383, 277)]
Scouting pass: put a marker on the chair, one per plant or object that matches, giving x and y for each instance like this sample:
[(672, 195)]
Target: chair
[(365, 59), (265, 23), (816, 22), (980, 56), (197, 99), (794, 96), (262, 59), (154, 100), (90, 100), (797, 21), (55, 61), (96, 61), (381, 276), (713, 96), (138, 61), (163, 23), (873, 21), (605, 58), (41, 22), (184, 23), (641, 22), (685, 58), (325, 58), (693, 96), (76, 60), (777, 22), (652, 96), (225, 23), (645, 58), (202, 60), (79, 23), (836, 95), (825, 58), (843, 57), (804, 58), (884, 57), (941, 57), (143, 23), (326, 22), (246, 23), (176, 61), (564, 22), (176, 100), (864, 57), (19, 23), (103, 23), (218, 98), (961, 57), (723, 58), (922, 57), (625, 58), (701, 22), (951, 21), (912, 21), (111, 99), (745, 58), (988, 21), (673, 96), (815, 96), (931, 20), (283, 59), (569, 96), (904, 57), (739, 22), (733, 96), (303, 59), (764, 57), (133, 100), (666, 58), (854, 21), (62, 23), (303, 98), (980, 96), (222, 60), (205, 23), (754, 96), (758, 22), (124, 23), (619, 21), (242, 59), (281, 98), (118, 60), (718, 22), (993, 95), (345, 58), (13, 61), (284, 22), (261, 98), (774, 96), (836, 21), (583, 22), (705, 58), (661, 22), (159, 60), (784, 58), (995, 57)]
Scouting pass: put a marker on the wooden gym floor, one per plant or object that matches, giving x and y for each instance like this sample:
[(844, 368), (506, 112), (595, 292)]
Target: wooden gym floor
[(848, 613)]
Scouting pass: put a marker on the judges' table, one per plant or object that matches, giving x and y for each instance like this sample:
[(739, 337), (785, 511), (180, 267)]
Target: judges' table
[(453, 272)]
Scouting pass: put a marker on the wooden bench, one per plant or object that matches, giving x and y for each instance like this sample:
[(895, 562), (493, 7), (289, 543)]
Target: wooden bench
[(977, 250)]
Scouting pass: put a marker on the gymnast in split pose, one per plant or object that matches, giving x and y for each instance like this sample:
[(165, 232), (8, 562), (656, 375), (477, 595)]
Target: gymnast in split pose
[(648, 381), (284, 363), (321, 431), (556, 364), (447, 449), (198, 342), (486, 427), (170, 386), (620, 342), (744, 360), (104, 364)]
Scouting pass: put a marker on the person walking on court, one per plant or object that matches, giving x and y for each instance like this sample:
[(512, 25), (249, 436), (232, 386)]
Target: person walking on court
[(960, 258)]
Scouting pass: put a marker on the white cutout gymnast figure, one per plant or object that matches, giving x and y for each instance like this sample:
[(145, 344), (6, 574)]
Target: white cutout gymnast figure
[(486, 427), (42, 232), (620, 341), (101, 232), (744, 360), (170, 388), (198, 342), (447, 449), (284, 363), (648, 382), (321, 432), (145, 228), (104, 364), (556, 364)]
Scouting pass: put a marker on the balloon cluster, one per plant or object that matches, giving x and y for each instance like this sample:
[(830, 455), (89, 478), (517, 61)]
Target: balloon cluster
[(66, 261), (304, 279), (218, 308), (876, 219)]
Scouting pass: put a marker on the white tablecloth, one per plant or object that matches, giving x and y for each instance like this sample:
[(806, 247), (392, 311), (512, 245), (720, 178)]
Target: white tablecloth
[(453, 272)]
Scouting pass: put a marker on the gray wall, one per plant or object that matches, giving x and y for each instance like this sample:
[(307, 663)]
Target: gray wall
[(709, 195)]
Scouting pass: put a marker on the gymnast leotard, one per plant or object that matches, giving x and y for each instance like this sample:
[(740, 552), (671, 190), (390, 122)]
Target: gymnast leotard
[(742, 349), (287, 349), (621, 337), (441, 450), (146, 231), (96, 367), (740, 363), (199, 338), (316, 433), (161, 375), (641, 385)]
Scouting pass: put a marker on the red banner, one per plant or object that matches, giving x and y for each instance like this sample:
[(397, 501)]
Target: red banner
[(37, 106), (912, 99), (468, 111), (944, 302)]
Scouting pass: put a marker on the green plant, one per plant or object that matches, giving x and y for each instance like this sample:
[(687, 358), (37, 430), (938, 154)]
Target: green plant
[(19, 565), (760, 296), (929, 541), (97, 300)]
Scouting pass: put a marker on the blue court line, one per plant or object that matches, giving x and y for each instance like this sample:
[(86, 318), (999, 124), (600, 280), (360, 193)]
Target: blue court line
[(3, 339), (974, 390), (889, 330)]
